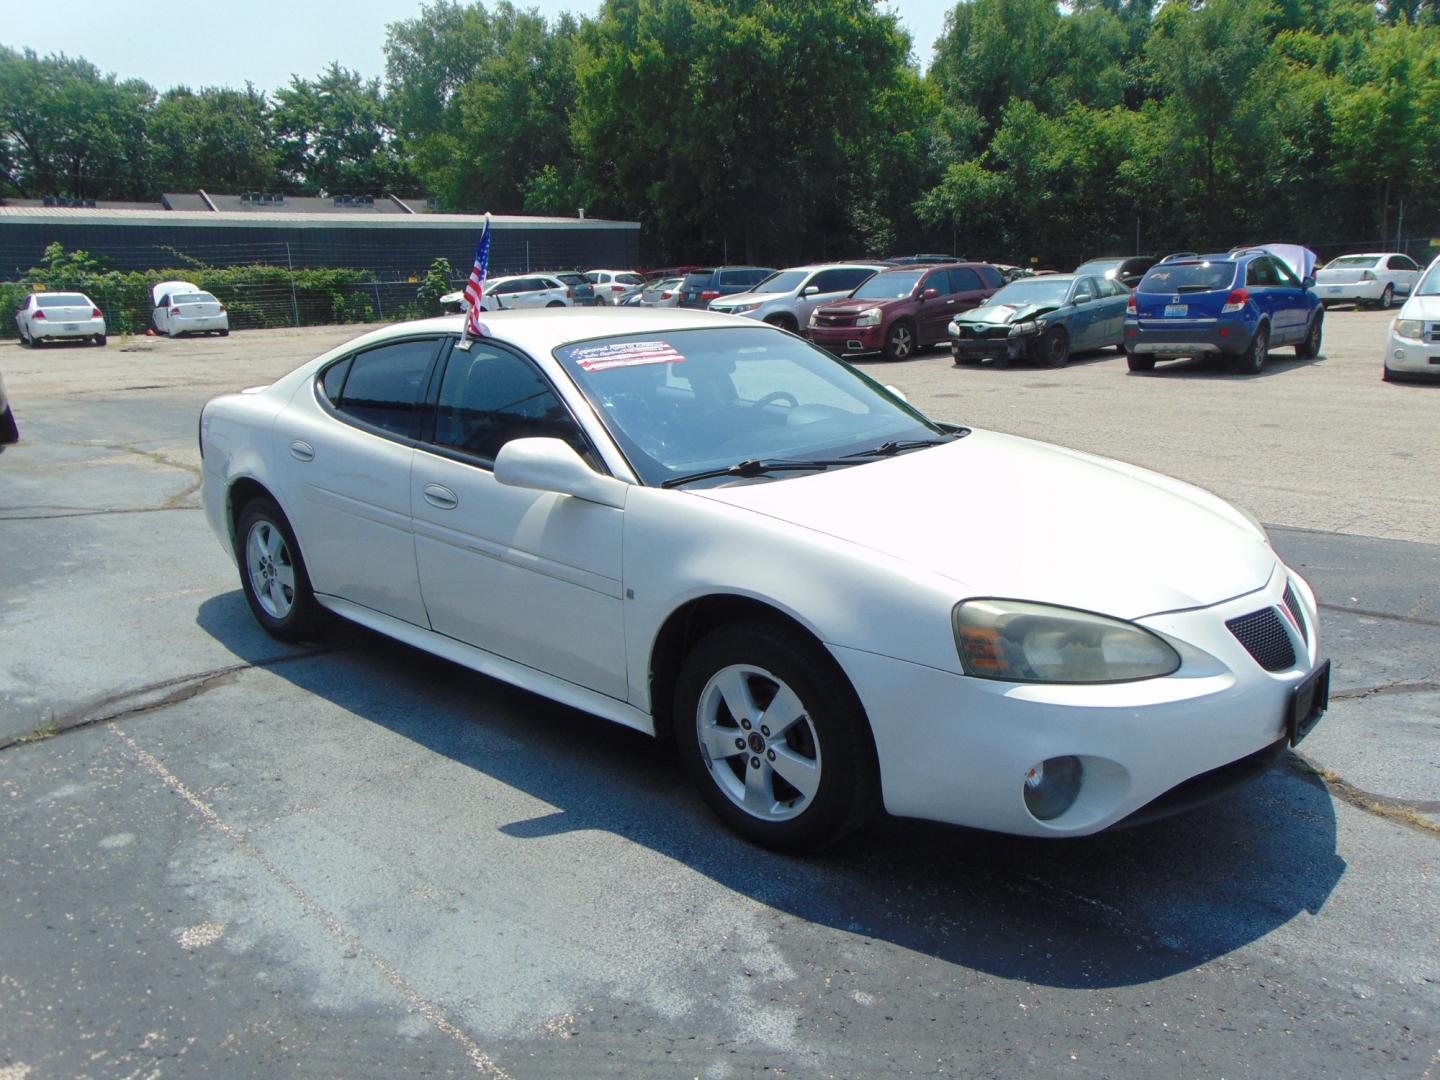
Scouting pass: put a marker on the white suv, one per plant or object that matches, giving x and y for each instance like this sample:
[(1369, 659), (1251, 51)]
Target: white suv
[(1413, 346), (787, 297), (611, 285)]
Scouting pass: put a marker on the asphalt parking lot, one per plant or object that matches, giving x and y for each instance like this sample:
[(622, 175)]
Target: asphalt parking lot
[(226, 855)]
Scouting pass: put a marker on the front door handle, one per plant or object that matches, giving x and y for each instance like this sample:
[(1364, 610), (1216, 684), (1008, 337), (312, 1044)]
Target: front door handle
[(302, 451), (441, 497)]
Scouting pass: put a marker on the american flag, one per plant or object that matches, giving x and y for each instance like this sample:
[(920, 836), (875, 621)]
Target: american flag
[(475, 285)]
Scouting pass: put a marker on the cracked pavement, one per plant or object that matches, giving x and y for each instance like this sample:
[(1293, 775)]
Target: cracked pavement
[(227, 855)]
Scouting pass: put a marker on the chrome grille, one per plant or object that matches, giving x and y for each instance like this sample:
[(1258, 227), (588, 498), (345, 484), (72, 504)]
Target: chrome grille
[(834, 320), (1293, 603), (1433, 334), (1264, 637)]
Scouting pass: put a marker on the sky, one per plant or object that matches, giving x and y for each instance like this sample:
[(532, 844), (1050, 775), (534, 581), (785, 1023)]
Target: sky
[(266, 41)]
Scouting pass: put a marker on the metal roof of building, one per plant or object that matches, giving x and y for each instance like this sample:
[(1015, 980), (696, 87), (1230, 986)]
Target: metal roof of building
[(155, 215)]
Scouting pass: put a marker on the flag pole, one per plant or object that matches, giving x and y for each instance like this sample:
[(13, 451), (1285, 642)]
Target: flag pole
[(475, 290)]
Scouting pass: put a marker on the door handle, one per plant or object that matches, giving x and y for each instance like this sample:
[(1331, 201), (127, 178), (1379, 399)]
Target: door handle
[(302, 451), (441, 497), (950, 302)]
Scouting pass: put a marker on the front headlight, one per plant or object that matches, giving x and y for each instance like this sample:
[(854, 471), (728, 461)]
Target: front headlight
[(1017, 641), (1021, 328), (868, 317), (736, 309), (1413, 329), (815, 317)]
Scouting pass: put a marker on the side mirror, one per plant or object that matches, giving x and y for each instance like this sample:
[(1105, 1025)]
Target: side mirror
[(810, 290), (930, 294), (1309, 282), (898, 393), (552, 465)]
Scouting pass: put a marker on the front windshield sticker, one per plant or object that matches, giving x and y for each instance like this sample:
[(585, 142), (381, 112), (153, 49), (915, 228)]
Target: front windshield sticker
[(620, 354)]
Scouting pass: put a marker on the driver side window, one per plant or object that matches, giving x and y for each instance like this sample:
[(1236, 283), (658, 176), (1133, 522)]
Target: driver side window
[(489, 396)]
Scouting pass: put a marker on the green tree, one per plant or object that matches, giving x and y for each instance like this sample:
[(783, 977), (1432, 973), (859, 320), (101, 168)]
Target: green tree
[(217, 138), (334, 134)]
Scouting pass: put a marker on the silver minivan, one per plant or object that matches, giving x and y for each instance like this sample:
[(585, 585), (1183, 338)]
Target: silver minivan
[(786, 298)]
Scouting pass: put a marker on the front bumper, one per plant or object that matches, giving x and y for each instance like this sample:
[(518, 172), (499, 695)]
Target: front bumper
[(1412, 357), (957, 749), (57, 330), (994, 348), (847, 339), (1187, 337)]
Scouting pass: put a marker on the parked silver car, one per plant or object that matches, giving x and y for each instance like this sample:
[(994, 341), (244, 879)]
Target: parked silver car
[(787, 297)]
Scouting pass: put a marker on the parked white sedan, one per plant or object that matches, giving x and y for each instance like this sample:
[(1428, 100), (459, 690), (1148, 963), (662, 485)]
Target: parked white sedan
[(184, 308), (1379, 278), (714, 531), (59, 316)]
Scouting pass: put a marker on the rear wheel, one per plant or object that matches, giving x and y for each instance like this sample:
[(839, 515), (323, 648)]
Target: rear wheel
[(1309, 348), (900, 341), (273, 575), (1136, 362), (100, 339), (1253, 359), (225, 333), (771, 733)]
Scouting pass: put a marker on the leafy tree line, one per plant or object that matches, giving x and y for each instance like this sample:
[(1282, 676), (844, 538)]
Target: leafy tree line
[(772, 130)]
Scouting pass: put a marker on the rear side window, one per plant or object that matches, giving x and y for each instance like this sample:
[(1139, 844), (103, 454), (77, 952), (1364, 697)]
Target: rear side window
[(1188, 277), (963, 279), (384, 386), (828, 281), (333, 381), (1261, 273), (489, 396), (1402, 262), (992, 277), (698, 280)]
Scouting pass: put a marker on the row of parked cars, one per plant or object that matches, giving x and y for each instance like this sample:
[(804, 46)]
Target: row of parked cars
[(180, 307)]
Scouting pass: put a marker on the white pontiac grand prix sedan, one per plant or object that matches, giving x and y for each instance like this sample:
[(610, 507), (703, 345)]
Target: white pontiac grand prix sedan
[(709, 529)]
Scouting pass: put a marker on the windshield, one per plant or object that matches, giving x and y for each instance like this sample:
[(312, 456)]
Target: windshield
[(1430, 284), (781, 281), (685, 401), (895, 286), (1099, 267), (1365, 261), (1045, 290), (63, 299), (1188, 277)]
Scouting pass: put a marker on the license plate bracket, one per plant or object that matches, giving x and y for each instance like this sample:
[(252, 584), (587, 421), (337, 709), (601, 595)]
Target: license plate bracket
[(1176, 311), (1308, 702)]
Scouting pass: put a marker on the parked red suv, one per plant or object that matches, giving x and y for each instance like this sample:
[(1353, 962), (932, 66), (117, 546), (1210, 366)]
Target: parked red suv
[(899, 311)]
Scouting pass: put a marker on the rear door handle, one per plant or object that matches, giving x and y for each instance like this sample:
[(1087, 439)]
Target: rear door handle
[(302, 451), (441, 497)]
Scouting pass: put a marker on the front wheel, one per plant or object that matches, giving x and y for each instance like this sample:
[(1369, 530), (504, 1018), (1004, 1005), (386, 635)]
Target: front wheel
[(771, 733), (1309, 348), (900, 341), (273, 575), (1053, 350), (555, 303), (1387, 298), (1253, 359)]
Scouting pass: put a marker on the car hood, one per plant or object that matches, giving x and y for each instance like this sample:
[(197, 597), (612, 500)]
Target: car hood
[(1425, 307), (1009, 517), (736, 299), (854, 307), (1003, 314)]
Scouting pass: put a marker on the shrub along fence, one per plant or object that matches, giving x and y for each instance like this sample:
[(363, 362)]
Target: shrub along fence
[(256, 296)]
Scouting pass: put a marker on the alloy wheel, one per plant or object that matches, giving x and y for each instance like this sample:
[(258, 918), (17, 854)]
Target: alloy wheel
[(271, 569)]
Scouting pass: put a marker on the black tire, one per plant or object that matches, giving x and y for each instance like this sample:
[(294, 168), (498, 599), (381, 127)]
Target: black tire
[(1053, 348), (1387, 298), (1386, 375), (36, 343), (555, 303), (1309, 347), (832, 730), (100, 339), (304, 617), (9, 430), (1136, 362), (1253, 358), (784, 322), (224, 333), (900, 340), (24, 341)]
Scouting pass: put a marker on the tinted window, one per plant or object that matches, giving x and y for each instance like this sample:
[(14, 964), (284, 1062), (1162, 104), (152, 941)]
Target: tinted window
[(194, 298), (501, 288), (630, 279), (333, 381), (963, 279), (828, 281), (63, 299), (698, 280), (1188, 277), (743, 277), (782, 282), (1402, 262), (489, 397), (573, 279), (991, 276), (1261, 274), (385, 384)]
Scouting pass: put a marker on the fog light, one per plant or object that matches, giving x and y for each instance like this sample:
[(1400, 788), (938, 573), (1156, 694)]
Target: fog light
[(1399, 354), (1052, 785)]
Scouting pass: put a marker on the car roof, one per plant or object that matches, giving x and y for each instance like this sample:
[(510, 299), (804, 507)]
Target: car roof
[(540, 331), (58, 292), (1056, 277)]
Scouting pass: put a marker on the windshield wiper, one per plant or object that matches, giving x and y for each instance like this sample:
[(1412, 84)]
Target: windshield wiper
[(752, 467), (890, 449)]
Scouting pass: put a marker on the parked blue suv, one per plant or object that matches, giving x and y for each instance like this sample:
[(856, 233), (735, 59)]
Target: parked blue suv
[(1238, 305)]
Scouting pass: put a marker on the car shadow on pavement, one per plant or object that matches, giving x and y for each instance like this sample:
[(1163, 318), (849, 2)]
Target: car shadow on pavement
[(1220, 368), (1118, 909)]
